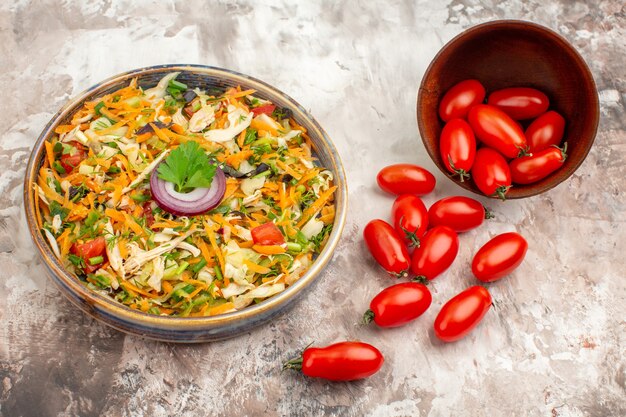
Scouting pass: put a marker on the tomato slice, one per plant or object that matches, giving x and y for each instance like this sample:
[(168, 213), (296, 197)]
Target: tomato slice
[(267, 234), (90, 249), (76, 154), (265, 109)]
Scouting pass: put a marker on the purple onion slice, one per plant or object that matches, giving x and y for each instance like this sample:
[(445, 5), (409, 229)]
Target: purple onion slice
[(198, 201)]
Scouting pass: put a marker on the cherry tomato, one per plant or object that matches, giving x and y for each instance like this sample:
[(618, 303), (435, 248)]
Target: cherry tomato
[(387, 247), (410, 218), (344, 361), (458, 213), (459, 99), (457, 146), (497, 130), (520, 102), (499, 257), (267, 234), (436, 253), (491, 173), (462, 313), (70, 160), (265, 109), (545, 131), (406, 179), (535, 167), (399, 304), (89, 250)]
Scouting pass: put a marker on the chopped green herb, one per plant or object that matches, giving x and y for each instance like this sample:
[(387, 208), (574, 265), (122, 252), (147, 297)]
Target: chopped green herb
[(188, 167)]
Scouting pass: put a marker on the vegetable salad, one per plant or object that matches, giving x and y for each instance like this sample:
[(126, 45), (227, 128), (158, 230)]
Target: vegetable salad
[(269, 218)]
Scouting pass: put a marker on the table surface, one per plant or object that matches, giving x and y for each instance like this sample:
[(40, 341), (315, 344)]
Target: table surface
[(555, 344)]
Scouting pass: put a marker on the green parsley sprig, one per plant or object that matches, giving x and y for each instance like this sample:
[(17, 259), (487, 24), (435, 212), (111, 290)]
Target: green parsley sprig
[(188, 167)]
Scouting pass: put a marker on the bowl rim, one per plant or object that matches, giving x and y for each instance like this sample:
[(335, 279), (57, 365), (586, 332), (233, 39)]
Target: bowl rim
[(164, 323), (523, 191)]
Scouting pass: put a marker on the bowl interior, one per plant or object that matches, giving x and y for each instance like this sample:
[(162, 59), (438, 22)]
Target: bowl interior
[(187, 329), (515, 54)]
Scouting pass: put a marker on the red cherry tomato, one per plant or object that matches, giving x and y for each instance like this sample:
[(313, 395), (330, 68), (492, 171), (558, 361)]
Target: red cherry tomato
[(499, 257), (387, 247), (458, 213), (410, 218), (399, 304), (457, 146), (497, 130), (406, 179), (344, 361), (265, 109), (69, 161), (491, 173), (267, 234), (545, 131), (535, 167), (462, 313), (520, 103), (459, 99), (436, 252), (88, 250)]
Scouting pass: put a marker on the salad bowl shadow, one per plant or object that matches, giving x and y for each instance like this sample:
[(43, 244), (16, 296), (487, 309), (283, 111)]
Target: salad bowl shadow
[(185, 329), (513, 53)]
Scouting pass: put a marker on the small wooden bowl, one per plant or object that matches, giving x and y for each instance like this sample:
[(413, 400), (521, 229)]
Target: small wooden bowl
[(511, 53)]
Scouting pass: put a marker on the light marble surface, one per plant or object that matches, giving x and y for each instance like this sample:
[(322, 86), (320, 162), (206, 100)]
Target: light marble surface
[(555, 345)]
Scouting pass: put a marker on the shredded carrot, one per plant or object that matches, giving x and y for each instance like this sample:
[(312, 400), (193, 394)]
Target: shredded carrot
[(256, 268), (115, 215), (316, 206), (123, 248), (130, 222), (159, 133), (220, 257), (128, 286), (240, 94), (246, 244), (287, 169), (143, 137), (220, 309), (60, 129)]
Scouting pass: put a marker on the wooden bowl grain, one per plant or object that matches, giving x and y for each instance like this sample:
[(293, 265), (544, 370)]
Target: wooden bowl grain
[(512, 53)]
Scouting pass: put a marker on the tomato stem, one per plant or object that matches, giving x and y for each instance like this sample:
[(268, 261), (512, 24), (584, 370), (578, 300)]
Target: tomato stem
[(401, 274), (460, 172), (563, 151), (523, 151), (295, 363), (368, 317), (421, 279), (414, 241), (488, 214), (501, 191)]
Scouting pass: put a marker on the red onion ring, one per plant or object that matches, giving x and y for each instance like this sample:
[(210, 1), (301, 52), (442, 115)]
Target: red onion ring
[(196, 202)]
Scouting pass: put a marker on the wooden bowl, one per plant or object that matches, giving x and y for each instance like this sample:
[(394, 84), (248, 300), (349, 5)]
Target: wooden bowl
[(511, 53)]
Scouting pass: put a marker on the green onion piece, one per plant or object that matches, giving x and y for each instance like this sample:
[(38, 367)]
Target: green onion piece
[(114, 170), (197, 267), (183, 265), (140, 198), (195, 106), (218, 272), (98, 107), (263, 174), (58, 167), (96, 260), (92, 218), (57, 148), (301, 188), (102, 281), (294, 247), (178, 85)]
